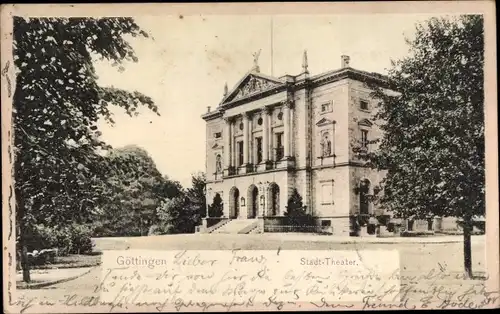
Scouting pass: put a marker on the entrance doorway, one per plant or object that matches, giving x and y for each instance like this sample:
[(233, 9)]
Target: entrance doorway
[(364, 189), (253, 201), (274, 200), (234, 203)]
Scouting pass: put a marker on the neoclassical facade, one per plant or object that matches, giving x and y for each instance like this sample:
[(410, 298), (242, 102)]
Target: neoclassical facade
[(270, 135)]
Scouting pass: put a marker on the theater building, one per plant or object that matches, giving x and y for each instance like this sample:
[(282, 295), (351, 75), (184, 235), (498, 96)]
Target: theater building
[(270, 135)]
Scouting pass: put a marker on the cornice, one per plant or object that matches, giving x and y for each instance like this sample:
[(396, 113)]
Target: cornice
[(292, 84), (272, 91), (213, 115), (337, 75)]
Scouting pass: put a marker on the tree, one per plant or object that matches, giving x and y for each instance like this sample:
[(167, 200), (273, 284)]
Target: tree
[(296, 211), (432, 145), (196, 194), (216, 209), (182, 213), (177, 215), (60, 177), (171, 188), (137, 188)]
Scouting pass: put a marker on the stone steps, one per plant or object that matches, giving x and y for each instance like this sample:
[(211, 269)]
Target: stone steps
[(255, 230), (219, 225), (234, 226)]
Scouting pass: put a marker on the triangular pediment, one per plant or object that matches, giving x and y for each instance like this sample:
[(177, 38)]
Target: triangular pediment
[(216, 146), (365, 122), (251, 84), (324, 121)]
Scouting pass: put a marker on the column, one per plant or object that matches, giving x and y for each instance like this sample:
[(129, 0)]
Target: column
[(227, 143), (250, 152), (245, 139), (234, 147), (286, 135), (265, 136)]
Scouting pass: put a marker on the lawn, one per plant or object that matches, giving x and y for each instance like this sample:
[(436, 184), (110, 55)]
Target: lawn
[(72, 261)]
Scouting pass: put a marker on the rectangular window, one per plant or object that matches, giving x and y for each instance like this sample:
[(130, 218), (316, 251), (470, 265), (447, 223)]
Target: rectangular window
[(327, 194), (326, 107), (326, 223), (259, 149), (364, 138), (279, 146), (218, 135), (363, 104), (240, 153)]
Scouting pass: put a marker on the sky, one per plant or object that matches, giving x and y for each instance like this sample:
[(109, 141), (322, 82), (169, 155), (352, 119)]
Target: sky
[(184, 65)]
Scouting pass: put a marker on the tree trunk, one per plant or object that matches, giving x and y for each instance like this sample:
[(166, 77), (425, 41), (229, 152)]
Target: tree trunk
[(467, 227), (22, 231), (24, 260)]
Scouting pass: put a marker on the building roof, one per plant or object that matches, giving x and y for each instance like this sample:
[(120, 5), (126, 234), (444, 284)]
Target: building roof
[(254, 85)]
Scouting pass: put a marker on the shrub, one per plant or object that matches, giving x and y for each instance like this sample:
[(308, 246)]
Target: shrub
[(177, 215), (63, 240), (102, 231), (41, 237), (165, 229), (383, 220), (81, 242), (153, 230), (216, 209), (73, 239), (296, 212), (408, 233), (354, 225)]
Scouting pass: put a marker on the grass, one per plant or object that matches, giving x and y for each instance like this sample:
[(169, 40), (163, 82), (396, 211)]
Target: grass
[(72, 261)]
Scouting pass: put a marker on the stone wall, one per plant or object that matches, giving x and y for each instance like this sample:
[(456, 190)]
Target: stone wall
[(299, 130), (322, 181), (358, 92), (334, 120)]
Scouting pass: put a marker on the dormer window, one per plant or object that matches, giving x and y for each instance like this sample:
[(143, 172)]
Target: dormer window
[(218, 134)]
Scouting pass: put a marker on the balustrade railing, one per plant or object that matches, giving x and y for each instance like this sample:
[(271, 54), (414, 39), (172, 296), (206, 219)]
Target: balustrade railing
[(288, 228)]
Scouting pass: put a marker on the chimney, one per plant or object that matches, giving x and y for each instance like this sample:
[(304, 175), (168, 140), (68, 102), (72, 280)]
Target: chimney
[(208, 109), (344, 61)]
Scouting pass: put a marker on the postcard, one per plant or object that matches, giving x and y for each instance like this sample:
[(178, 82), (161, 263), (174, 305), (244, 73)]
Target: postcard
[(249, 157)]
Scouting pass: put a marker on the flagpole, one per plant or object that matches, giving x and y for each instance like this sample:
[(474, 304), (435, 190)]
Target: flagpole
[(272, 52)]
